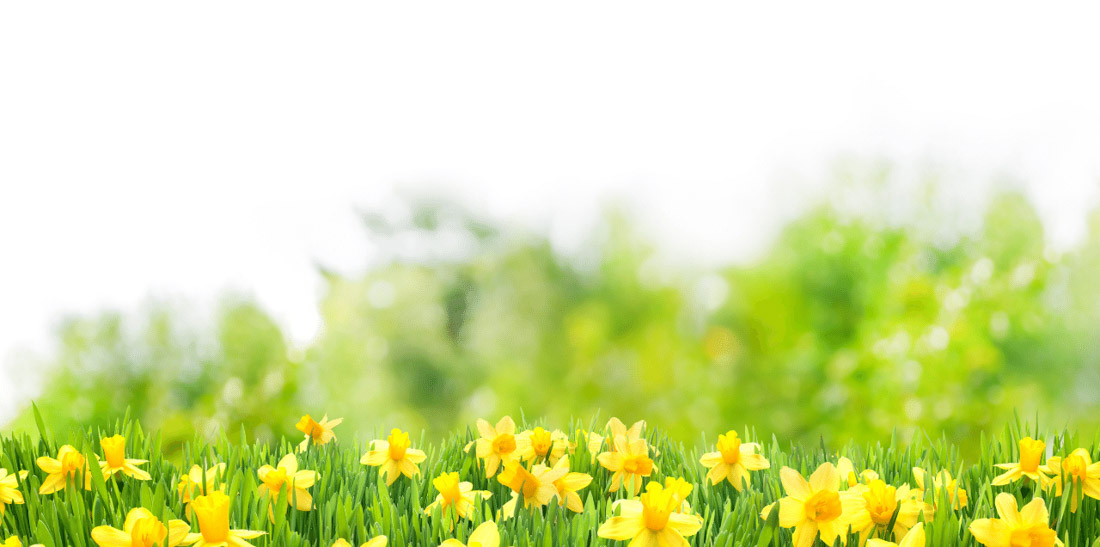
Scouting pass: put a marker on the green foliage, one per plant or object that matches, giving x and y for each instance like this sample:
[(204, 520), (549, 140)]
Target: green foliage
[(179, 377), (855, 322), (352, 501)]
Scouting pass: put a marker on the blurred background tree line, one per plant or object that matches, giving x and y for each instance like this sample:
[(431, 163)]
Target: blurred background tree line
[(856, 322)]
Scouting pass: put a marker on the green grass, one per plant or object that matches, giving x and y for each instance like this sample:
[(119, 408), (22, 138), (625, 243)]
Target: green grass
[(353, 502)]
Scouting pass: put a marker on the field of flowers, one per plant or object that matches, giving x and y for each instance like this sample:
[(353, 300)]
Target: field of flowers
[(530, 484)]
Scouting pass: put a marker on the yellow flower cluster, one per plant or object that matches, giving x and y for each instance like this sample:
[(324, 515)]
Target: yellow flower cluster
[(1076, 474), (836, 501), (536, 466), (70, 463), (204, 501), (533, 464)]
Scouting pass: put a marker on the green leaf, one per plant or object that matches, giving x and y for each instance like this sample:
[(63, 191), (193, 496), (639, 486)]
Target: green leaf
[(770, 526), (43, 432)]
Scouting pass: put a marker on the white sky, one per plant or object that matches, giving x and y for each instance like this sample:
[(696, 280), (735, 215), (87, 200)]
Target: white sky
[(182, 149)]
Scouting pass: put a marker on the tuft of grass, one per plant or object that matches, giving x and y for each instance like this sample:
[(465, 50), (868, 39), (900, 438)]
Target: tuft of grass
[(352, 501)]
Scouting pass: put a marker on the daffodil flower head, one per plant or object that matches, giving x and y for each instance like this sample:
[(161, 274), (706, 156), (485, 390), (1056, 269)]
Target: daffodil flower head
[(498, 445), (871, 507), (286, 475), (679, 487), (914, 538), (542, 445), (1078, 471), (629, 463), (1029, 527), (66, 467), (729, 446), (616, 428), (141, 529), (196, 482), (682, 489), (456, 498), (619, 429), (652, 519), (733, 460), (592, 441), (212, 512), (1031, 455), (13, 541), (317, 433), (658, 504), (942, 481), (848, 477), (519, 479), (395, 456), (536, 487), (568, 486), (813, 508), (9, 489), (115, 460), (881, 501), (485, 535)]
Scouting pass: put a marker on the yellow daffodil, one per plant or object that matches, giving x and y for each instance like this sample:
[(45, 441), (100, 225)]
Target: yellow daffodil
[(811, 507), (141, 529), (848, 477), (115, 460), (1078, 468), (68, 464), (535, 487), (1016, 528), (13, 541), (541, 445), (619, 429), (870, 508), (652, 519), (379, 541), (1031, 454), (733, 461), (628, 463), (498, 445), (485, 535), (455, 495), (568, 486), (681, 488), (212, 512), (9, 489), (915, 538), (592, 441), (287, 476), (193, 484), (394, 456), (940, 482), (318, 433)]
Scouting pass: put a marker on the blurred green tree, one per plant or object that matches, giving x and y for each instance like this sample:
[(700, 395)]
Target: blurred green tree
[(172, 374), (855, 323)]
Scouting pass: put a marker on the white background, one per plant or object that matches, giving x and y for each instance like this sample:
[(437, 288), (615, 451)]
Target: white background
[(183, 149)]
